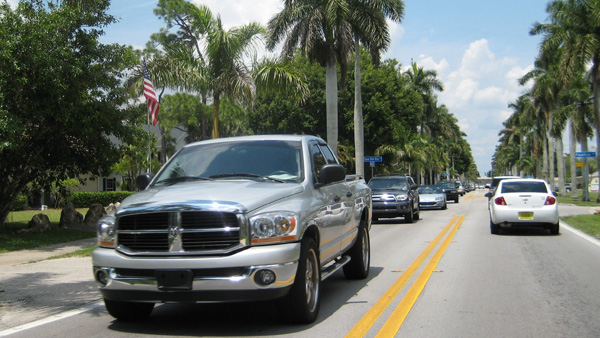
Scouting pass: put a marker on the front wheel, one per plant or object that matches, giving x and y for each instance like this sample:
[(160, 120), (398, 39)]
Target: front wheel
[(410, 216), (128, 311), (360, 255), (302, 304)]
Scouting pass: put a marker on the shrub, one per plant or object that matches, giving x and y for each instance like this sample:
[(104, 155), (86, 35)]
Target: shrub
[(20, 203), (85, 199)]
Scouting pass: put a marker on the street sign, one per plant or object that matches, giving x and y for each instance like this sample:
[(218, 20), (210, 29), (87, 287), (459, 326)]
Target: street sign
[(585, 154), (373, 159), (580, 164)]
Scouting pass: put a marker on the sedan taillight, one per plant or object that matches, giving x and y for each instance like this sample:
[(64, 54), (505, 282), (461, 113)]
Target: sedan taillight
[(550, 200), (500, 201)]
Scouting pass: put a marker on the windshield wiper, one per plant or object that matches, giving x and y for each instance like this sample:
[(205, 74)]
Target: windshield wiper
[(177, 179), (247, 175)]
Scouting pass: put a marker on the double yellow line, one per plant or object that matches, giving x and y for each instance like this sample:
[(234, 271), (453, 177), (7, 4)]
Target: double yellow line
[(392, 325)]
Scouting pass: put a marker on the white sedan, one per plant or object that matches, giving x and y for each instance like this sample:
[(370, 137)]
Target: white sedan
[(523, 202)]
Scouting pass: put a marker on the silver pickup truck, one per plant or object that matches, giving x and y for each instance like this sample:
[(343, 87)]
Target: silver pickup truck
[(236, 219)]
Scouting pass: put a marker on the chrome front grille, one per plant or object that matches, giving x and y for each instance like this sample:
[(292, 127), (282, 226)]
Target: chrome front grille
[(187, 232), (383, 198)]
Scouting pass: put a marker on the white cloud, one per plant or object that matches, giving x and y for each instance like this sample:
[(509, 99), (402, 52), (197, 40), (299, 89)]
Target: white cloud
[(237, 13)]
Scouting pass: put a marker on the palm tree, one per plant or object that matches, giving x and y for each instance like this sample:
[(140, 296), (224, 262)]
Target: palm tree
[(575, 29), (368, 19), (323, 33), (219, 53), (425, 82)]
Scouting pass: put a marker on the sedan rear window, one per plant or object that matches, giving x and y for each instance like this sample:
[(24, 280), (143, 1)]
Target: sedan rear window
[(517, 187)]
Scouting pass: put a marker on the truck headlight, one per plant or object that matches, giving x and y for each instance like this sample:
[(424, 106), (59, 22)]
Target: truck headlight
[(273, 227), (401, 198), (106, 232)]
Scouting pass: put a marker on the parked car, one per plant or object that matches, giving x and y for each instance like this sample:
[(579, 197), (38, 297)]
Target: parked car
[(449, 188), (524, 202), (393, 196), (431, 197)]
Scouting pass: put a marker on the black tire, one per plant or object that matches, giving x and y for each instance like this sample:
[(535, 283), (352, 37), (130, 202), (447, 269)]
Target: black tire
[(128, 311), (456, 199), (417, 215), (409, 217), (302, 304), (445, 206), (555, 229), (494, 228), (360, 255)]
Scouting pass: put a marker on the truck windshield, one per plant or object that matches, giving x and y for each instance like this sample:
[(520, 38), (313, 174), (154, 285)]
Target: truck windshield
[(269, 161)]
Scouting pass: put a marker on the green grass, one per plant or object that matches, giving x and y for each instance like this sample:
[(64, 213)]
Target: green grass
[(590, 224), (11, 240), (577, 201)]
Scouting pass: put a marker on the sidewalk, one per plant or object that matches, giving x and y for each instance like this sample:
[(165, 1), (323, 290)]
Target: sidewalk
[(25, 256)]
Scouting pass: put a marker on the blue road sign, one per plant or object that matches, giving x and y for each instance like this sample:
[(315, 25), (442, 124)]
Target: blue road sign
[(373, 159), (585, 154)]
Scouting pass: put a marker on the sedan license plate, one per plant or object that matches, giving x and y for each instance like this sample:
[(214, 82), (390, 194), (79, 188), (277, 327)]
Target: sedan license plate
[(526, 215)]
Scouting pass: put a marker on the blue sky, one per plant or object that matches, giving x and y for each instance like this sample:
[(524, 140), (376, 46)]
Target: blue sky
[(479, 49)]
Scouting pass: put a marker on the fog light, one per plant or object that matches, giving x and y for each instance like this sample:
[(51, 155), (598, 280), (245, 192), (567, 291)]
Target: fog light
[(264, 277), (102, 277)]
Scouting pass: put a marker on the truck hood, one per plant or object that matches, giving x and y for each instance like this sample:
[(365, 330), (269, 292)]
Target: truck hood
[(235, 195)]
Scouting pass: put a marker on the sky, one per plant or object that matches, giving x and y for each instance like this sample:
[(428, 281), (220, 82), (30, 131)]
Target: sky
[(478, 48)]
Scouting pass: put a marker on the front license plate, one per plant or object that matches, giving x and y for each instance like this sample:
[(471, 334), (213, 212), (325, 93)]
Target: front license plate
[(526, 215), (168, 280)]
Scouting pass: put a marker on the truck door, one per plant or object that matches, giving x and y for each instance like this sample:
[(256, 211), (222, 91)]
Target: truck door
[(335, 212)]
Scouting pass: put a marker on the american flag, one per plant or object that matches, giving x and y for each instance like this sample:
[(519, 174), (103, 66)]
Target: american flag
[(150, 96)]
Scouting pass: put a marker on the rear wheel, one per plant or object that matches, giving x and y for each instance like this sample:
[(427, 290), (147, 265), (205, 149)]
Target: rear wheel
[(302, 304), (554, 229), (128, 310), (360, 254), (494, 228)]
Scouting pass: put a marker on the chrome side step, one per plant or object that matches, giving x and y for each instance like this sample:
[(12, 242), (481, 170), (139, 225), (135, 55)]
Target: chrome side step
[(335, 266)]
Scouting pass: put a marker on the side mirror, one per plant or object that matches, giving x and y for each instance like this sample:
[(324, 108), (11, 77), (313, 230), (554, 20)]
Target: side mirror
[(413, 186), (142, 181), (488, 195), (331, 173)]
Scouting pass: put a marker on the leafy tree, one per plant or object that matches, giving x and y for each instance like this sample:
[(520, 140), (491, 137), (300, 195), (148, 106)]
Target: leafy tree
[(574, 28), (219, 53), (321, 31), (59, 94)]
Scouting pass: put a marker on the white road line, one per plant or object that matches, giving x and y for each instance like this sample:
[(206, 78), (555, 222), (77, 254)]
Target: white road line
[(580, 233), (51, 319)]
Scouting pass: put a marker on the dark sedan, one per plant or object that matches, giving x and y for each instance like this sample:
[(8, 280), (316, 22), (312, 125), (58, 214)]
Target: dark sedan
[(449, 188)]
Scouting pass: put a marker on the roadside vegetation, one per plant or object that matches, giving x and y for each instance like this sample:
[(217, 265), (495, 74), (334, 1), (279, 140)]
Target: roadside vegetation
[(12, 240)]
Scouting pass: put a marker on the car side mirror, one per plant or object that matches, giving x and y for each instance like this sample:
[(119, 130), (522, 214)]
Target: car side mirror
[(488, 194), (331, 173), (413, 186), (142, 181)]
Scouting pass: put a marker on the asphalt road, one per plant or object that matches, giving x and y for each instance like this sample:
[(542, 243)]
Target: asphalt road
[(443, 276)]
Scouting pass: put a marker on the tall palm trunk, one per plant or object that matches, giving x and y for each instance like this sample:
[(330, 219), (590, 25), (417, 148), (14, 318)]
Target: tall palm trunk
[(331, 102), (560, 163), (545, 160), (217, 101), (585, 172), (596, 88), (572, 149), (359, 134)]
